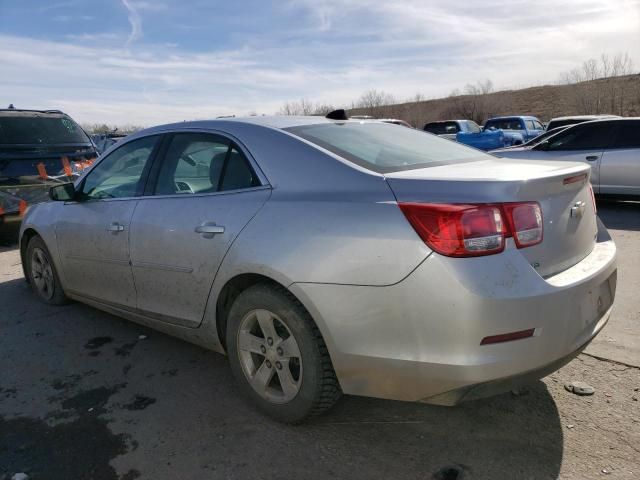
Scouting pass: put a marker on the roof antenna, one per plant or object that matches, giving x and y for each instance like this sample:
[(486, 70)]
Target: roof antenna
[(11, 107), (339, 114)]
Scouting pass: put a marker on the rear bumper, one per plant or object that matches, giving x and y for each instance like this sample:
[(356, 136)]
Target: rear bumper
[(419, 340)]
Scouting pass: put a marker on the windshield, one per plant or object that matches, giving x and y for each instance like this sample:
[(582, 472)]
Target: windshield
[(504, 124), (40, 130), (385, 148), (543, 136)]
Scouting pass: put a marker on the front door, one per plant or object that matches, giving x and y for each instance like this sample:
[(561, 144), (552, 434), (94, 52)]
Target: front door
[(205, 192), (620, 164), (93, 232), (581, 143)]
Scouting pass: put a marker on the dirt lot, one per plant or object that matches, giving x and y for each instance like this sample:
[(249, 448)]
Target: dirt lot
[(85, 395)]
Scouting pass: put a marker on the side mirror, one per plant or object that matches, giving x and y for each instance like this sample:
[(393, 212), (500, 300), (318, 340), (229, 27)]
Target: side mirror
[(62, 193)]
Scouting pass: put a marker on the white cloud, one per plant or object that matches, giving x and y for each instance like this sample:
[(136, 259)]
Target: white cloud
[(341, 49), (134, 20)]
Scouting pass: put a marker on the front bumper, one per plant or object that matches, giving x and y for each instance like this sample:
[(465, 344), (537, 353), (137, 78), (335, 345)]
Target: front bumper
[(419, 340)]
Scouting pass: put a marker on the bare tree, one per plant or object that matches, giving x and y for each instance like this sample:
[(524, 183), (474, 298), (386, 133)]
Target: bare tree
[(372, 100), (305, 107), (603, 92), (473, 102)]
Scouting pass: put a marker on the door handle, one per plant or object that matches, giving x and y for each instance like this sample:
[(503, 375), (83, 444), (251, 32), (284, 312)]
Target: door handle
[(115, 227), (592, 158), (208, 230)]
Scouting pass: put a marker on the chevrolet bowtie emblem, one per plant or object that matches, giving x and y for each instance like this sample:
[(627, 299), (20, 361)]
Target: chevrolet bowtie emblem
[(578, 209)]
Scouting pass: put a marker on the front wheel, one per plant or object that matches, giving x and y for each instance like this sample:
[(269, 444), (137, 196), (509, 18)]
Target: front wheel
[(42, 273), (278, 355)]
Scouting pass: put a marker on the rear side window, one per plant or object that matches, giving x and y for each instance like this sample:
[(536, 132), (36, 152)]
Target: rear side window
[(594, 136), (505, 124), (442, 128), (385, 148), (203, 163), (627, 135), (40, 129)]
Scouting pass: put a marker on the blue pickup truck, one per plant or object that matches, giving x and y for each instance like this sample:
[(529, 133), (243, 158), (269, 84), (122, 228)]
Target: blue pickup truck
[(504, 131)]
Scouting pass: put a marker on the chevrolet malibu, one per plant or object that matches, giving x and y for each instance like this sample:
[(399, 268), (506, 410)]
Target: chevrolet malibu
[(334, 256)]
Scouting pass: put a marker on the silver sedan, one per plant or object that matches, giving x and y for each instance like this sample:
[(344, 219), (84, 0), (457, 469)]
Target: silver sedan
[(328, 256)]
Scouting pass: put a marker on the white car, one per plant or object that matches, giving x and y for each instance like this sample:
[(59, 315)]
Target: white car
[(610, 146)]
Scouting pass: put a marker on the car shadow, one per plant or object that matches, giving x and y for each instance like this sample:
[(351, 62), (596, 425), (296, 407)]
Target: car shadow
[(177, 404), (619, 214)]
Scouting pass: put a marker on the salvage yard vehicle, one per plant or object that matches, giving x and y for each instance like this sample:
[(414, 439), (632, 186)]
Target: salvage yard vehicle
[(501, 132), (40, 148), (610, 146), (450, 128), (334, 256)]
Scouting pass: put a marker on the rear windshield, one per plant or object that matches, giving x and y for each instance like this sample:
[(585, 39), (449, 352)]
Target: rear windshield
[(40, 130), (505, 124), (441, 128), (384, 148)]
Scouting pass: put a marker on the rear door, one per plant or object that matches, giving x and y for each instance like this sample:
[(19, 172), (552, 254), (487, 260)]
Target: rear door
[(620, 164), (93, 232), (582, 143), (205, 191)]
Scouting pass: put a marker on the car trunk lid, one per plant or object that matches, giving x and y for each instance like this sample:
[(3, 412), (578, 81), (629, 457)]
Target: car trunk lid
[(561, 189)]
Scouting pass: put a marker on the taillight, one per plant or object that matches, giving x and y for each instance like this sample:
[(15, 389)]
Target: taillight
[(525, 221), (469, 230)]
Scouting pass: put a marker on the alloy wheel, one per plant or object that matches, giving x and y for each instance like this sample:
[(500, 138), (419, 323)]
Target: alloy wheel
[(269, 356), (42, 273)]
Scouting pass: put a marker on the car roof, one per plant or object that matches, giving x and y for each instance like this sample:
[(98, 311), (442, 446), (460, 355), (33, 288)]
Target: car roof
[(28, 110), (270, 121), (583, 117), (508, 117), (448, 121)]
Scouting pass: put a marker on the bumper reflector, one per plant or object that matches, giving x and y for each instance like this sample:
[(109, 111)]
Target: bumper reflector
[(507, 337)]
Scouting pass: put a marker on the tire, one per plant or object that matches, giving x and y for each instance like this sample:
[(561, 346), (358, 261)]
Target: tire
[(42, 273), (268, 373)]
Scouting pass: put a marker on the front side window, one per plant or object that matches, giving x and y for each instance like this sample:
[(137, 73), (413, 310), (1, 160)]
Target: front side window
[(384, 148), (119, 174), (203, 163), (628, 135), (582, 137), (537, 125)]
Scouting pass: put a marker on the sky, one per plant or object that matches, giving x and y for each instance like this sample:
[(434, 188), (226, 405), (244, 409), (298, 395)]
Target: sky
[(151, 62)]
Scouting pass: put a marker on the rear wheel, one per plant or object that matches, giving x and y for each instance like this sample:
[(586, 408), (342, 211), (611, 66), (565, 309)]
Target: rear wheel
[(278, 355), (42, 273)]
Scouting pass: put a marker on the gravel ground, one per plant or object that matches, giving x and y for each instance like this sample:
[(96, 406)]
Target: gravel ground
[(85, 395)]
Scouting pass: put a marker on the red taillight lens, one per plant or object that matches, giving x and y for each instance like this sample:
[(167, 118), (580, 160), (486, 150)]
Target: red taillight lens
[(477, 229), (457, 230), (526, 223)]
